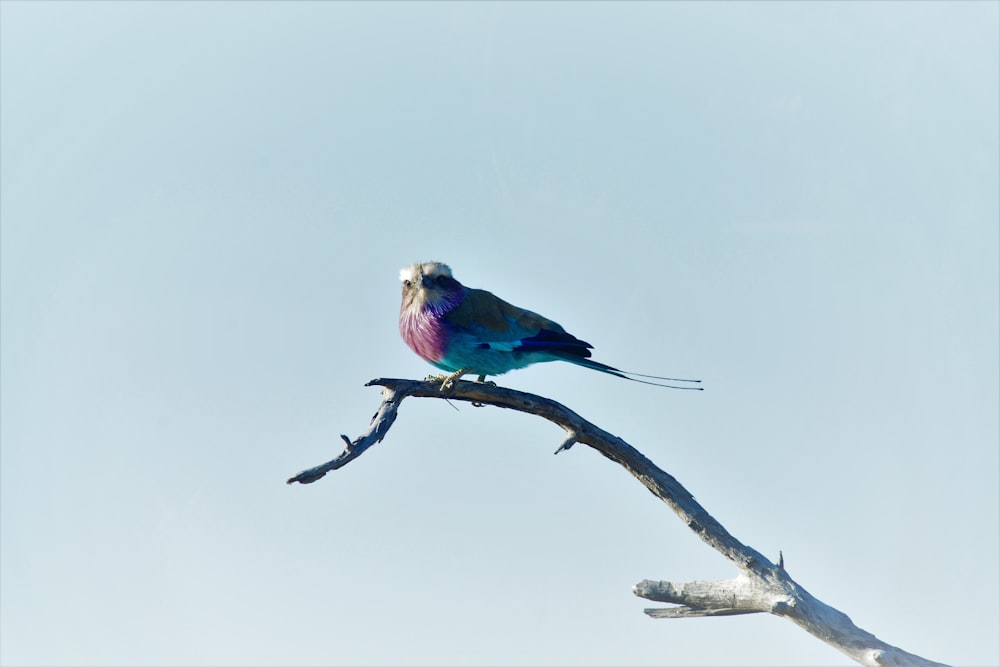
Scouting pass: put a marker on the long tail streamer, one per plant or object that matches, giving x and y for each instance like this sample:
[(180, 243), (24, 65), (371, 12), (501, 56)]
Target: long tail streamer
[(611, 370)]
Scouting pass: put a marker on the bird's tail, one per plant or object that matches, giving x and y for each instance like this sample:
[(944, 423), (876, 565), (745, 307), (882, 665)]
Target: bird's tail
[(628, 375)]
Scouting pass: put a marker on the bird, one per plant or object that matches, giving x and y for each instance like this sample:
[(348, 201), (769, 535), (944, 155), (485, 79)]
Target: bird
[(466, 331)]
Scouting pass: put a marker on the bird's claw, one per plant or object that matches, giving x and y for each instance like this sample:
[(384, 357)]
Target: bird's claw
[(482, 380), (448, 381)]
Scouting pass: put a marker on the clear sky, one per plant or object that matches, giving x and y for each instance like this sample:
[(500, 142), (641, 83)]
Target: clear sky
[(204, 210)]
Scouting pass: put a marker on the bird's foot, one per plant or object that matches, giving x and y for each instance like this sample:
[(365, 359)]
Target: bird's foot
[(482, 380), (448, 381)]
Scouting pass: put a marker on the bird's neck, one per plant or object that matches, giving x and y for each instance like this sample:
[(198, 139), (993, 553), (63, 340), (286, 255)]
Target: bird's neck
[(442, 305)]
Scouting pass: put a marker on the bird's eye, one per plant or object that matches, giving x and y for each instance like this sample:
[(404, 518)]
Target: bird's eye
[(407, 283)]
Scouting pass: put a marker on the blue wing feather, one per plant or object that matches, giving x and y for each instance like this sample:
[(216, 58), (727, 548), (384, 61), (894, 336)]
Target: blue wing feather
[(560, 343)]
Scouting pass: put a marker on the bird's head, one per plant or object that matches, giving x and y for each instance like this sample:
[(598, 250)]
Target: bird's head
[(429, 285)]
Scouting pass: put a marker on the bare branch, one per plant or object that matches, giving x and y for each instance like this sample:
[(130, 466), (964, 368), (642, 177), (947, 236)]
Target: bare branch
[(689, 612), (760, 585), (380, 423), (741, 595)]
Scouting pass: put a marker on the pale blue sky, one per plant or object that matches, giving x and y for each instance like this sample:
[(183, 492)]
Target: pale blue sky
[(204, 210)]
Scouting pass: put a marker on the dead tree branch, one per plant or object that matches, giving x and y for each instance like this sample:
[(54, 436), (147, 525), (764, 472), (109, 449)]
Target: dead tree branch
[(760, 585)]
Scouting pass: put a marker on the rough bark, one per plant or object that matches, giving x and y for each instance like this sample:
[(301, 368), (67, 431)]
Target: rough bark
[(760, 585)]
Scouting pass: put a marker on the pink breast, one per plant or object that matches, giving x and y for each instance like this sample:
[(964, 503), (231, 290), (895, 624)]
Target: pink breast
[(424, 333)]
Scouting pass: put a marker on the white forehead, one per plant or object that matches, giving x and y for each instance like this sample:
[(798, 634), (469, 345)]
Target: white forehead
[(426, 268)]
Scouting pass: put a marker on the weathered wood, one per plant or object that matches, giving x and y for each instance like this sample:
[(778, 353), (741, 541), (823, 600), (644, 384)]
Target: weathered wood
[(760, 586)]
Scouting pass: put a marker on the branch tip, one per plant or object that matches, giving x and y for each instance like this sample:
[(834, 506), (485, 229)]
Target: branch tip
[(685, 611), (567, 442)]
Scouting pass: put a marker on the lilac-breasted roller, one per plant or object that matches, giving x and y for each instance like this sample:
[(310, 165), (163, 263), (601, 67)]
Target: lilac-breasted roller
[(470, 331)]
